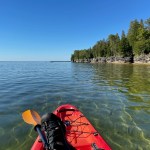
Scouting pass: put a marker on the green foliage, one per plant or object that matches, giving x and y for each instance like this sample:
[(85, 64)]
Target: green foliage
[(137, 42), (133, 32), (99, 49), (72, 57), (82, 54), (139, 47), (114, 44), (147, 22), (139, 36), (142, 47), (125, 48)]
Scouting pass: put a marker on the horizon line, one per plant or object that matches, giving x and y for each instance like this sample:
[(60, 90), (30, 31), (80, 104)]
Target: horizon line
[(40, 60)]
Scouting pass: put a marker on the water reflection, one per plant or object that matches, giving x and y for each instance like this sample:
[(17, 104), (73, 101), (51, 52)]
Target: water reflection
[(114, 97), (129, 103)]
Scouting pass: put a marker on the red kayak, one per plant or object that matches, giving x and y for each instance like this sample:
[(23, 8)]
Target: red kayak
[(79, 131)]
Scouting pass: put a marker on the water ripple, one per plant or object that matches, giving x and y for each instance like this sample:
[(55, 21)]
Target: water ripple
[(114, 97)]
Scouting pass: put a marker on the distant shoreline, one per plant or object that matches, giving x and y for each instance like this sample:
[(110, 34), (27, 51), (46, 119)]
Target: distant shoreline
[(117, 62), (142, 59), (31, 61), (59, 61)]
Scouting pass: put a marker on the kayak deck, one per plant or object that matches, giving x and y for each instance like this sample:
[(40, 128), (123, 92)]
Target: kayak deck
[(79, 131)]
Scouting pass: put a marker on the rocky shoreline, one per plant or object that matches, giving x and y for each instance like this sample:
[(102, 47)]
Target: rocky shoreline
[(142, 59)]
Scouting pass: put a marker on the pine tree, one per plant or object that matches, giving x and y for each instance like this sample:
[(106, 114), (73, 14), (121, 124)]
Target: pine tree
[(125, 48), (133, 32), (114, 44)]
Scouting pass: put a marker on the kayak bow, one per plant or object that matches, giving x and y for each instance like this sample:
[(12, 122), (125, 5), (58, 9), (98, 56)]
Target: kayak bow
[(80, 133)]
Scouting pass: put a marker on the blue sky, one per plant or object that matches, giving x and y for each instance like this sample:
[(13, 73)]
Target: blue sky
[(53, 29)]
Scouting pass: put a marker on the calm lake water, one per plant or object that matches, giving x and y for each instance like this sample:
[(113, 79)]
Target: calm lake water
[(114, 97)]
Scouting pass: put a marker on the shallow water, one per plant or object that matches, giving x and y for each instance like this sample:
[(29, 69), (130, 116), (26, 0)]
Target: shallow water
[(114, 97)]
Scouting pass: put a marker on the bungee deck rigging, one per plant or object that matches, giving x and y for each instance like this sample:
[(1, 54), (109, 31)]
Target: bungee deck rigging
[(68, 129)]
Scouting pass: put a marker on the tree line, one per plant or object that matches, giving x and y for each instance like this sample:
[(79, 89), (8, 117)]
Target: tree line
[(135, 42)]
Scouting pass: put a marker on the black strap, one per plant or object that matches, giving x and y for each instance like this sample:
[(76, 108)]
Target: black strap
[(95, 147)]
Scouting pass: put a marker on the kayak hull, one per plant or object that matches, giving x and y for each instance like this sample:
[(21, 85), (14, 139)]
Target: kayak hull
[(79, 131)]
